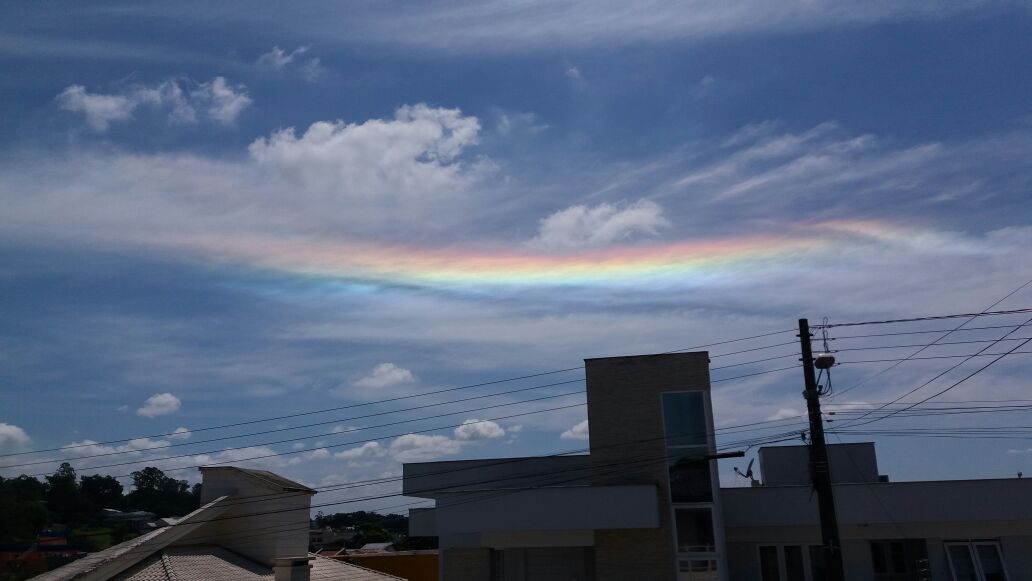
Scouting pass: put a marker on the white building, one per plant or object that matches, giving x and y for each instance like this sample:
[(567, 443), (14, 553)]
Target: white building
[(252, 525)]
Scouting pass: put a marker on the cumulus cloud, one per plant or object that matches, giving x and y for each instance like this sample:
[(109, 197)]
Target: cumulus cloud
[(577, 432), (422, 448), (591, 227), (159, 404), (473, 429), (278, 59), (181, 98), (181, 434), (13, 439), (410, 154), (367, 450), (386, 375)]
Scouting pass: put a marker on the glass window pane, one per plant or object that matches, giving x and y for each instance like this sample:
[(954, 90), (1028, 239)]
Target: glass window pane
[(818, 569), (961, 563), (769, 564), (694, 530), (991, 561), (690, 478), (684, 419), (794, 570), (878, 559)]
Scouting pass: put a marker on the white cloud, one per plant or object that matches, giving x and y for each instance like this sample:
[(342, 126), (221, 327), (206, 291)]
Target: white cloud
[(298, 445), (532, 24), (578, 432), (224, 102), (386, 375), (1021, 451), (367, 450), (123, 408), (181, 434), (510, 123), (180, 97), (342, 429), (278, 59), (410, 155), (601, 225), (473, 429), (13, 439), (422, 448), (100, 110), (784, 414), (573, 73), (159, 404)]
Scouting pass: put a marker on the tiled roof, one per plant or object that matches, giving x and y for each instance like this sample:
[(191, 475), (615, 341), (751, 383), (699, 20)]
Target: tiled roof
[(209, 563), (200, 563)]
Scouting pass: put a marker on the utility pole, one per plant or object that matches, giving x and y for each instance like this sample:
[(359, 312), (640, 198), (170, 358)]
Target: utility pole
[(819, 468)]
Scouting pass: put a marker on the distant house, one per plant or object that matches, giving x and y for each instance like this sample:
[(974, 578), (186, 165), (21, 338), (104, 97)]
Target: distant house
[(328, 536), (375, 548), (252, 525)]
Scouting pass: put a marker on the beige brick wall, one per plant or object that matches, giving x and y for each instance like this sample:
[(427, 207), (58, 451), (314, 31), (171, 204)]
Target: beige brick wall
[(624, 406)]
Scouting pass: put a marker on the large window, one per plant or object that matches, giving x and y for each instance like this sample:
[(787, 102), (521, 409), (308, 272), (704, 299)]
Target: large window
[(790, 563), (697, 570), (898, 560), (976, 561)]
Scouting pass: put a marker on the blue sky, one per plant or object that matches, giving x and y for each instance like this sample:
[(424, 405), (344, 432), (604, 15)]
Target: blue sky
[(262, 211)]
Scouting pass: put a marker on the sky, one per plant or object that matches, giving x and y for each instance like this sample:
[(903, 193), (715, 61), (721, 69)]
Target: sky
[(215, 214)]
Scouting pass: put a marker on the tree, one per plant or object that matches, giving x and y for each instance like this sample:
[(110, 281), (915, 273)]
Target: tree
[(155, 492), (98, 492), (21, 508), (62, 494)]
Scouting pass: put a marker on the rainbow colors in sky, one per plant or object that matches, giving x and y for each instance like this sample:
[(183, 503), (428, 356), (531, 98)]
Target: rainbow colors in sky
[(676, 263)]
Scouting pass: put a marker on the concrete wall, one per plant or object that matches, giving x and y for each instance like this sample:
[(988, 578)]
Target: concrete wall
[(626, 424), (267, 510), (790, 465), (466, 564), (414, 566)]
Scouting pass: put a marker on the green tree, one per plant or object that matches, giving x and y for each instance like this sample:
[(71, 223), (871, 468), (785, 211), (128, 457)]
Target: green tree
[(62, 494), (98, 492), (22, 510), (155, 492)]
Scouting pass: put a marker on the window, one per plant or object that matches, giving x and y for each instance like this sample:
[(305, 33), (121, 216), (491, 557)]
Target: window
[(690, 477), (694, 530), (790, 563), (898, 559), (684, 419), (697, 570), (976, 561)]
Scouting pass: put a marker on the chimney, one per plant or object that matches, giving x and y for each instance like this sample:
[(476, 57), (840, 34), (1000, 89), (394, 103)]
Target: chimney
[(293, 569)]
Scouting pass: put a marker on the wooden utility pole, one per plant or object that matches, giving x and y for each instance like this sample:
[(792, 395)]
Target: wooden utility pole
[(819, 468)]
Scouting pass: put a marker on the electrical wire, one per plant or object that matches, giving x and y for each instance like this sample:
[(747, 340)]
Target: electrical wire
[(400, 398)]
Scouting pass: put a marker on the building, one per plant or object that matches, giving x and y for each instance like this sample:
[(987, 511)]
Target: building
[(329, 537), (252, 525), (646, 503)]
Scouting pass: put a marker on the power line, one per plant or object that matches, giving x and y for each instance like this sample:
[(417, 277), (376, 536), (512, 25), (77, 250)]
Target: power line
[(929, 318), (399, 398), (334, 421)]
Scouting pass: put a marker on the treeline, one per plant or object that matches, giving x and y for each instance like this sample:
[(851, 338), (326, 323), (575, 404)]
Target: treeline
[(373, 527), (29, 505)]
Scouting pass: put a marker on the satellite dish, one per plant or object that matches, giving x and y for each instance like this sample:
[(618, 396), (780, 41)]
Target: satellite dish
[(748, 473)]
